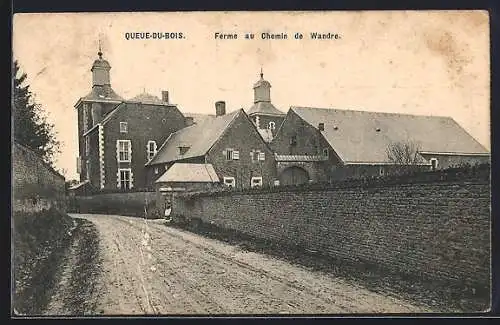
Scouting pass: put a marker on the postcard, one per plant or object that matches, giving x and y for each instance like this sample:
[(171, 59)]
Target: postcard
[(251, 163)]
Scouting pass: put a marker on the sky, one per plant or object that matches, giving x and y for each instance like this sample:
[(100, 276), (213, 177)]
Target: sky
[(415, 62)]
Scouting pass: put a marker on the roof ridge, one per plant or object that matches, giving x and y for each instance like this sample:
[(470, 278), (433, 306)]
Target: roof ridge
[(370, 112)]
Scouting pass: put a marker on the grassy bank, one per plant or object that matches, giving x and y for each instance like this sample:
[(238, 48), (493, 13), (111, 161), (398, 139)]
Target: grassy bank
[(40, 241)]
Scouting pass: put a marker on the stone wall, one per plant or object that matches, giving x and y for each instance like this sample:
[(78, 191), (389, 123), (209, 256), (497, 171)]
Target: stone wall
[(435, 225), (35, 185), (125, 203)]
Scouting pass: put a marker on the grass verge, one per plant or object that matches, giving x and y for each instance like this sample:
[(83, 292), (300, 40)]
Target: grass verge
[(40, 241)]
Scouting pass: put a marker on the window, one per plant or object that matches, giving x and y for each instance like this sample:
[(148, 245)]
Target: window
[(124, 150), (258, 155), (156, 170), (87, 146), (434, 163), (86, 109), (325, 152), (256, 181), (151, 149), (381, 171), (123, 127), (87, 171), (232, 154), (124, 180), (293, 140), (79, 165), (272, 125), (229, 181)]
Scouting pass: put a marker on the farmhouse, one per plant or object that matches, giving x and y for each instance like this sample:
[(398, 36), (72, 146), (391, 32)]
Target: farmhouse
[(230, 143), (321, 144)]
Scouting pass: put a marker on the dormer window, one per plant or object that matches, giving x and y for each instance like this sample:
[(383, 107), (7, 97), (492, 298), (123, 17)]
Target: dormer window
[(183, 150), (123, 127)]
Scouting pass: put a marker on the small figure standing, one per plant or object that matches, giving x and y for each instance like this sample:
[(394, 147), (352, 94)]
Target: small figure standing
[(168, 211)]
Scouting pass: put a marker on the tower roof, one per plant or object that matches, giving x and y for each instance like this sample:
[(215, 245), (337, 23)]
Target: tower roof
[(100, 62), (265, 108), (262, 82)]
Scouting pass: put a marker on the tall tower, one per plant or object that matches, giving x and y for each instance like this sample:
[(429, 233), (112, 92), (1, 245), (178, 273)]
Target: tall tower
[(265, 116), (92, 108)]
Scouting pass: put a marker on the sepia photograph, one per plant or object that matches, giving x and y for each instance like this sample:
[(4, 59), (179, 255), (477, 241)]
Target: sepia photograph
[(250, 163)]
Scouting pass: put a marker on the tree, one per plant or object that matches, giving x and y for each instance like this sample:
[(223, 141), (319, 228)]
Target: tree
[(404, 155), (30, 127)]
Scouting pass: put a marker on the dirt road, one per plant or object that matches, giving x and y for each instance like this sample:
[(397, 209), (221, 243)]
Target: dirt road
[(148, 268)]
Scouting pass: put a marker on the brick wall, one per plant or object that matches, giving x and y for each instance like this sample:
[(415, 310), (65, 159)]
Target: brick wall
[(35, 185), (145, 122), (437, 228), (265, 119), (126, 203), (244, 137), (447, 161), (309, 139)]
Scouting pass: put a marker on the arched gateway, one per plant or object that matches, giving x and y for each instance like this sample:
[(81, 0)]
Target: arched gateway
[(294, 175)]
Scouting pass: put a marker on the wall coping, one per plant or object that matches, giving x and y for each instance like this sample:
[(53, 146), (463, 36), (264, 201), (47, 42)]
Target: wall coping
[(471, 175)]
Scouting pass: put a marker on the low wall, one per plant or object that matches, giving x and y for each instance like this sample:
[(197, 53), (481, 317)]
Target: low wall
[(435, 226), (128, 204), (35, 185)]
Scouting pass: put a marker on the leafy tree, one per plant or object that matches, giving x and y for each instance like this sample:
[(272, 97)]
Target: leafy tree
[(30, 127)]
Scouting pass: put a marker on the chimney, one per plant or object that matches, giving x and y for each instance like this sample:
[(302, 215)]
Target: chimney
[(220, 108), (164, 96), (321, 126)]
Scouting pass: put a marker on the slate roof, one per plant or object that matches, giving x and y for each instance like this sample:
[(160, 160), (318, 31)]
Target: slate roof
[(104, 93), (199, 118), (354, 136), (102, 63), (180, 172), (78, 185), (264, 108), (198, 137)]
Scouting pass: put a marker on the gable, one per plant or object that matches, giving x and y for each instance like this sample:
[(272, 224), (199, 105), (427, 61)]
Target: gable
[(197, 138), (241, 130)]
